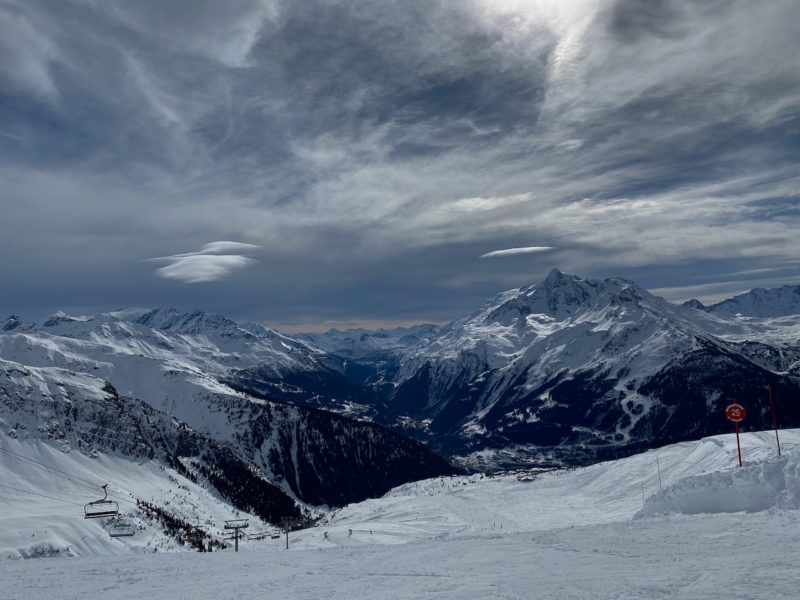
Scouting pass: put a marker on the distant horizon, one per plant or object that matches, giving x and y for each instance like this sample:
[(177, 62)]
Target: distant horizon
[(367, 324)]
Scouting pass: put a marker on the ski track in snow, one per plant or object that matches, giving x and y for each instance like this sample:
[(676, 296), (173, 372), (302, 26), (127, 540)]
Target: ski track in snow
[(570, 534)]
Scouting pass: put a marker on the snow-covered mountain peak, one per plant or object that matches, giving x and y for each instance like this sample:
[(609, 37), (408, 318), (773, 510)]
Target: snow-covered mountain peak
[(590, 321), (560, 296), (126, 313), (60, 317), (195, 322), (567, 347), (694, 303), (776, 302), (11, 323)]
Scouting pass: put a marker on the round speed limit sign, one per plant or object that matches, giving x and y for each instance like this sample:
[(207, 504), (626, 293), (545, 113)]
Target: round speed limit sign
[(735, 412)]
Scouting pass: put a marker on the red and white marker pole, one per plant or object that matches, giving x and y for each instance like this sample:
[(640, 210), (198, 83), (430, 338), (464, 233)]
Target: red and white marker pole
[(736, 413)]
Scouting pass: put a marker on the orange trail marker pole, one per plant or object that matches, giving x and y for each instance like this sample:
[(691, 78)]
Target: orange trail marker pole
[(774, 419), (738, 446)]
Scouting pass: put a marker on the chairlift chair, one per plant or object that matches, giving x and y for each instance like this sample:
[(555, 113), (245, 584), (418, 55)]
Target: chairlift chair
[(101, 508), (236, 524), (121, 529)]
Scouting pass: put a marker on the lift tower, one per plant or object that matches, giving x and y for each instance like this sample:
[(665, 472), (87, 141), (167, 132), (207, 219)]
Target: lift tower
[(236, 525)]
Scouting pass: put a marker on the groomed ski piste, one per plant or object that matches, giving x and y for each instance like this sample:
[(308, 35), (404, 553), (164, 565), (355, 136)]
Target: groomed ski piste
[(682, 521)]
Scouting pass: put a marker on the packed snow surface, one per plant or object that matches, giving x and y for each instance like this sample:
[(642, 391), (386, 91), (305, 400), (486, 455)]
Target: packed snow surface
[(606, 531)]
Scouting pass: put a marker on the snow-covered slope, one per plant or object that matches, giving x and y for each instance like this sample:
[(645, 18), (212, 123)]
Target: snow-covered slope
[(81, 414), (715, 557), (594, 532), (43, 491), (179, 364), (582, 368), (696, 477), (758, 302)]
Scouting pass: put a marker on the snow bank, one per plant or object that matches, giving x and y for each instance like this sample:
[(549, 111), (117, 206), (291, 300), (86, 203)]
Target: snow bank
[(752, 488), (609, 492)]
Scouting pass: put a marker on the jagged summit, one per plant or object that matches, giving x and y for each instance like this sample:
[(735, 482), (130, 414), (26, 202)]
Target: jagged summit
[(555, 276), (694, 303), (11, 323), (560, 296)]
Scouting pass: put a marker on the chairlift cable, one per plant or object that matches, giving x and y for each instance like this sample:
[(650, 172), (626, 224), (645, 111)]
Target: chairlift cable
[(50, 468), (63, 474), (38, 494)]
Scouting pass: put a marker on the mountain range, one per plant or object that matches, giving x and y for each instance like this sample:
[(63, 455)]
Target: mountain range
[(150, 385), (565, 371), (572, 370), (575, 370)]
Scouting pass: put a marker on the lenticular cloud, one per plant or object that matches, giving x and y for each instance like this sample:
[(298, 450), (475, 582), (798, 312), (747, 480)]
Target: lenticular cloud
[(212, 262), (513, 251)]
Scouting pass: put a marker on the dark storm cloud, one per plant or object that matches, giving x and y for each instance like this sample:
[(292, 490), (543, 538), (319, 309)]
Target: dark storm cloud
[(352, 65), (632, 20), (375, 150)]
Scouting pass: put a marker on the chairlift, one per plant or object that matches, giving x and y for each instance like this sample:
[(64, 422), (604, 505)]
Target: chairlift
[(121, 529), (236, 524), (101, 508)]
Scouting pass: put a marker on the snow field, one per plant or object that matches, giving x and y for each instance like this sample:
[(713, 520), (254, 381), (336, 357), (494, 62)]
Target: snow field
[(603, 493), (581, 534), (731, 556)]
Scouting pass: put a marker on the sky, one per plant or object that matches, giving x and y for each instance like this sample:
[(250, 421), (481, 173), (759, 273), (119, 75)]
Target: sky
[(341, 163)]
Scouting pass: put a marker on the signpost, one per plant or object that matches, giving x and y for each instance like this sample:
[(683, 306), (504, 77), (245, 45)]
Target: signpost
[(735, 412), (288, 523)]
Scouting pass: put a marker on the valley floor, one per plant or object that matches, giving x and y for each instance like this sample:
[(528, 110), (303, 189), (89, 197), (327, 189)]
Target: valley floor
[(605, 531)]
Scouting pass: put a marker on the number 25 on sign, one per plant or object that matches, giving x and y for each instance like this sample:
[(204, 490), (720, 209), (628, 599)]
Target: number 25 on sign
[(736, 413)]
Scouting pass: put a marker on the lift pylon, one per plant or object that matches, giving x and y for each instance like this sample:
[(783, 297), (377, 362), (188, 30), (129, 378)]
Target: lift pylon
[(236, 525)]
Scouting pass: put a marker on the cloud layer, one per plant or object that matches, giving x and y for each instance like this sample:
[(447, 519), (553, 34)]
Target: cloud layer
[(375, 150)]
